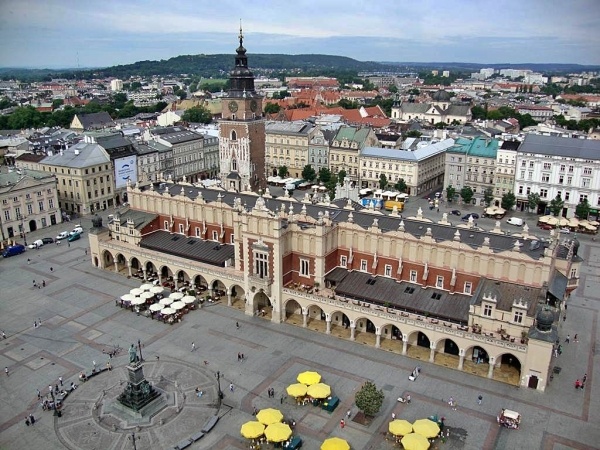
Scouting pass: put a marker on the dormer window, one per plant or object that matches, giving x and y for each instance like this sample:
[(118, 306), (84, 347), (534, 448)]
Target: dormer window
[(488, 310)]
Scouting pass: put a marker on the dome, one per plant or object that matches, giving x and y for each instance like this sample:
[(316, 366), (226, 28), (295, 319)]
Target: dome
[(441, 96), (544, 319)]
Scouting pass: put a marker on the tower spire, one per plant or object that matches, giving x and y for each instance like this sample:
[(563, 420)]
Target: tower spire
[(241, 36)]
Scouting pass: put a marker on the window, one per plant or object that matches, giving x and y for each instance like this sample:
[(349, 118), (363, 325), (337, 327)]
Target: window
[(573, 273), (468, 287), (388, 270), (7, 215), (582, 198), (181, 228), (518, 318), (343, 261), (363, 265), (545, 177), (487, 310), (166, 225), (544, 193), (30, 209), (197, 231), (562, 167), (547, 166), (561, 179), (232, 239), (41, 206), (587, 170), (261, 265), (215, 236), (585, 182), (304, 268), (439, 282), (569, 180), (413, 276), (51, 203)]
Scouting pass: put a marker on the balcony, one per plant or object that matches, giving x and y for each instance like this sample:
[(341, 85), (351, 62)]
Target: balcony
[(263, 283)]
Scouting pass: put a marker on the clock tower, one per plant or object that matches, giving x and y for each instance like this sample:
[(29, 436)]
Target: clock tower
[(242, 130)]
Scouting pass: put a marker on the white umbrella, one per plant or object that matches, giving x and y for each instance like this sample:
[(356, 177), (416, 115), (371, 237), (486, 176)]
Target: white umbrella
[(167, 311), (138, 301), (127, 297), (166, 301), (188, 299), (146, 287), (176, 295), (156, 307), (147, 295), (136, 291), (177, 305), (157, 289)]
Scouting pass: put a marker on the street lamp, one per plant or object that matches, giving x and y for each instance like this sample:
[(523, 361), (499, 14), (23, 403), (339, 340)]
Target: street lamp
[(133, 438)]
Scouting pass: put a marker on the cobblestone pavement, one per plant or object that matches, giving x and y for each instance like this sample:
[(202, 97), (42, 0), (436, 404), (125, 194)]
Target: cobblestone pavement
[(79, 320)]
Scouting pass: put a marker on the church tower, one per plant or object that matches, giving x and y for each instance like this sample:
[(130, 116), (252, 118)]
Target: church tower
[(242, 130)]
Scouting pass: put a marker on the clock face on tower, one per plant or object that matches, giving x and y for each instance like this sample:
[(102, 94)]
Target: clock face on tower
[(253, 106), (233, 106)]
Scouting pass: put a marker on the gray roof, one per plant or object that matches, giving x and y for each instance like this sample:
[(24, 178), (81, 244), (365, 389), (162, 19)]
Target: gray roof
[(139, 218), (416, 155), (507, 293), (89, 154), (416, 108), (177, 135), (13, 177), (208, 252), (558, 285), (95, 120), (473, 238), (401, 295), (559, 146), (289, 128)]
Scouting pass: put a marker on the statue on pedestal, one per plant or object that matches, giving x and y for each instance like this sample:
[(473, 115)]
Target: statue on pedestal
[(133, 357)]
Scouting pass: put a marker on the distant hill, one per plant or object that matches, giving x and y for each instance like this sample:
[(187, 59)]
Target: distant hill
[(536, 67)]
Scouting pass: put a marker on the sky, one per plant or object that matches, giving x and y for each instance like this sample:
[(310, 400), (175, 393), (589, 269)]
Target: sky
[(101, 33)]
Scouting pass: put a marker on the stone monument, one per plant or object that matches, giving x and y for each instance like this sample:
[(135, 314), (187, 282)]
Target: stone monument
[(139, 392)]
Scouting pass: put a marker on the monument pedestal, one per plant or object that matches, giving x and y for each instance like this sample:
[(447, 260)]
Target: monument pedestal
[(139, 392)]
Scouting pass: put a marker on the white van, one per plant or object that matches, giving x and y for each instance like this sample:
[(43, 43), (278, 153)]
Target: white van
[(290, 187), (517, 221), (36, 244)]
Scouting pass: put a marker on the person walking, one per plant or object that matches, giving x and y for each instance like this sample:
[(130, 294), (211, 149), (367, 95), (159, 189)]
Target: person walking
[(193, 346), (393, 415), (231, 387), (575, 338), (28, 261), (568, 339), (342, 423), (39, 394), (239, 356), (31, 419), (6, 370), (479, 399), (3, 335), (60, 381), (237, 325), (44, 283)]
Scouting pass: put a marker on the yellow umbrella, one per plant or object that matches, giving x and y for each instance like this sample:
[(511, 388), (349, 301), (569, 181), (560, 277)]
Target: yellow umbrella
[(319, 390), (309, 378), (335, 443), (414, 441), (563, 222), (544, 219), (269, 416), (278, 432), (426, 427), (399, 427), (552, 220), (252, 430), (296, 390)]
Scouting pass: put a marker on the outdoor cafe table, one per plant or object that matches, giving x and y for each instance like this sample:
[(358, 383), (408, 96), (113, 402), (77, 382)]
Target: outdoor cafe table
[(177, 305), (156, 307), (176, 296), (188, 299), (157, 289), (135, 291), (146, 287), (147, 295), (166, 301)]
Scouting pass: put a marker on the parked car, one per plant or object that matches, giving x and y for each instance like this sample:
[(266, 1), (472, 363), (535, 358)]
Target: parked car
[(565, 230), (47, 240), (36, 244), (13, 250), (546, 226), (62, 235), (74, 237), (77, 229), (455, 212), (474, 215), (517, 221)]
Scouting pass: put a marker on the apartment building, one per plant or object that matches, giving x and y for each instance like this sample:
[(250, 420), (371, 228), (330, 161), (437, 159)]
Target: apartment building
[(84, 175), (504, 179), (28, 202), (345, 147), (551, 166), (288, 144), (421, 169), (472, 162)]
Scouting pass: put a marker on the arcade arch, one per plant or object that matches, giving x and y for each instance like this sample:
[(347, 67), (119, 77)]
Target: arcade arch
[(262, 305)]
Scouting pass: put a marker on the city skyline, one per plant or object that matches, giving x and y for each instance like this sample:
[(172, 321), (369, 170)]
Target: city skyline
[(69, 34)]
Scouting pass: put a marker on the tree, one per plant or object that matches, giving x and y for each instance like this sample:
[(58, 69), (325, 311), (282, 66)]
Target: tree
[(508, 201), (56, 103), (308, 173), (556, 205), (533, 200), (401, 186), (393, 88), (282, 171), (478, 112), (413, 134), (383, 181), (466, 194), (488, 196), (197, 114), (582, 210), (368, 399), (324, 175), (450, 193), (272, 108), (341, 176)]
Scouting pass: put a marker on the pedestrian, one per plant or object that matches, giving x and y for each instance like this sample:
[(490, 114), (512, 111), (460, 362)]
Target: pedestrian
[(584, 379), (35, 325), (479, 399), (39, 394), (575, 338), (560, 349), (568, 338), (31, 419), (393, 415), (3, 335), (231, 387), (44, 283), (237, 325), (50, 388), (193, 346), (86, 252), (28, 261), (243, 357), (69, 244), (556, 352), (60, 380), (577, 384), (34, 284), (6, 370), (239, 356), (407, 398), (281, 399), (342, 423), (39, 322), (27, 421), (51, 269), (254, 411), (108, 365), (157, 358)]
